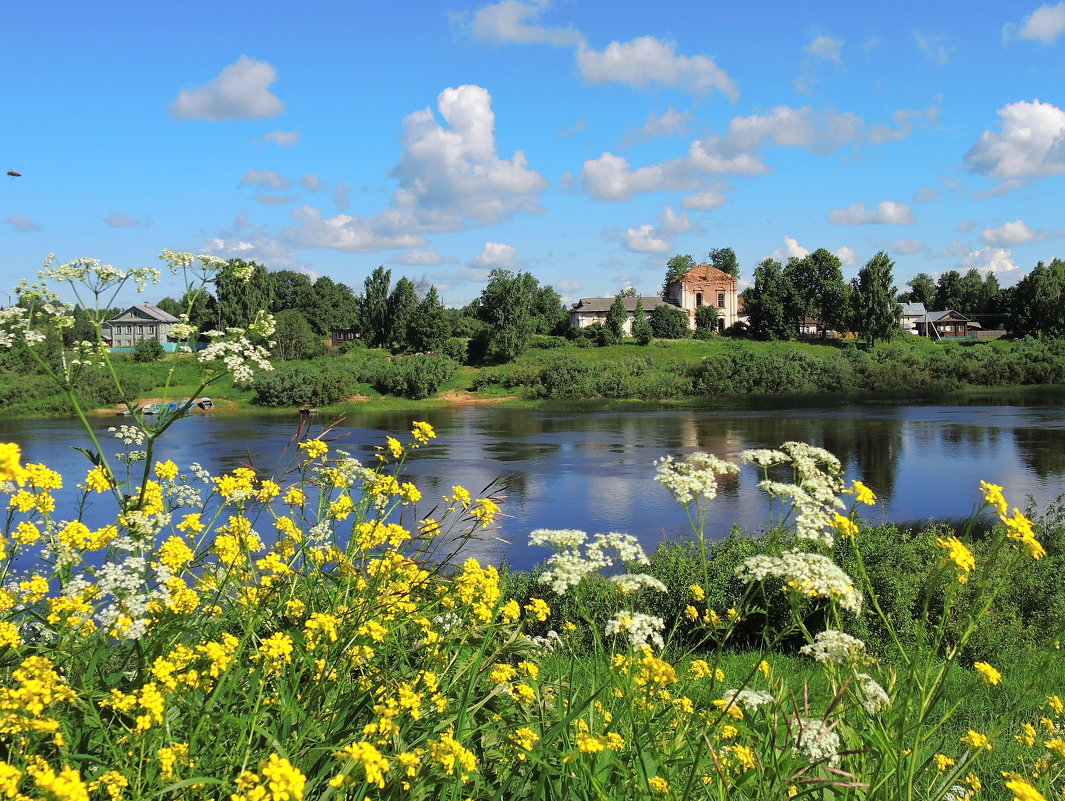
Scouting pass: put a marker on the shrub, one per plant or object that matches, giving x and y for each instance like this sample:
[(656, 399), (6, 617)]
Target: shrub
[(148, 350), (413, 377)]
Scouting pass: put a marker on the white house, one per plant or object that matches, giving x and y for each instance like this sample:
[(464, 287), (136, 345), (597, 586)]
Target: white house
[(136, 323), (588, 311)]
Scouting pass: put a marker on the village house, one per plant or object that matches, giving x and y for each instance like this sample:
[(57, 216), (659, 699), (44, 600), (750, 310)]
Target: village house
[(137, 323), (589, 311), (948, 323), (704, 285)]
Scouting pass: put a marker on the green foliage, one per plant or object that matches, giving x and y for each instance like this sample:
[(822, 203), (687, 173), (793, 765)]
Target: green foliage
[(1038, 300), (428, 327), (676, 268), (725, 260), (373, 312), (770, 302), (413, 377), (295, 338), (402, 304), (922, 290), (505, 308), (641, 326), (242, 290), (148, 350), (669, 322), (314, 384), (705, 322), (875, 313), (615, 318), (819, 290), (563, 376), (455, 348)]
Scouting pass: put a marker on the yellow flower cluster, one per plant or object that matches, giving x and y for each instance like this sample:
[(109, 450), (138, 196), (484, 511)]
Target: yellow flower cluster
[(1018, 527)]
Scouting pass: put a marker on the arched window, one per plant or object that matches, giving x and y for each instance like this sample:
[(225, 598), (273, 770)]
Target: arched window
[(698, 298), (721, 300)]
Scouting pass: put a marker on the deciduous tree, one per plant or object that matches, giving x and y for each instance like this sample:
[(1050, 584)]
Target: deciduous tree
[(876, 312), (769, 303)]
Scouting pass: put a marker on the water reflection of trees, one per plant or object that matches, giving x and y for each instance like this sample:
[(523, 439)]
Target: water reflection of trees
[(1042, 450)]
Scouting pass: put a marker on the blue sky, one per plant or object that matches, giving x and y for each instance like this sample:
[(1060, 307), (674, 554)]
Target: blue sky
[(584, 142)]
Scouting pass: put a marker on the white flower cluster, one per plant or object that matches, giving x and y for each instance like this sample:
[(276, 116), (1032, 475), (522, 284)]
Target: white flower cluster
[(447, 621), (809, 573), (567, 567), (128, 435), (694, 478), (182, 495), (748, 699), (641, 629), (835, 647), (237, 354), (874, 697), (548, 643), (818, 742), (201, 473), (128, 614), (815, 494), (634, 582)]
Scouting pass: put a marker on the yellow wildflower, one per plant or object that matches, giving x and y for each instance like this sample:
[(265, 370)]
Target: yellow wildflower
[(373, 762), (943, 762), (394, 447), (26, 533), (423, 432), (977, 741), (863, 494), (314, 448), (846, 527), (1027, 736), (174, 553), (993, 495), (538, 608), (658, 784), (1056, 704), (449, 753), (961, 556), (461, 496), (166, 471), (284, 782), (697, 591), (9, 635), (99, 479), (1021, 789), (191, 523), (988, 673), (10, 467)]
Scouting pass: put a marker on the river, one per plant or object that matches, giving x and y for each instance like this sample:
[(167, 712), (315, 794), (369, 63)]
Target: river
[(594, 470)]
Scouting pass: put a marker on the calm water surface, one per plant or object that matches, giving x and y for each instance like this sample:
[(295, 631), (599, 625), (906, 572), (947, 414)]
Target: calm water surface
[(594, 470)]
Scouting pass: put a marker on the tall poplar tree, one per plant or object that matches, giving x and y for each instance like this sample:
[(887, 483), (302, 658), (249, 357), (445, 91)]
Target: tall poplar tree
[(242, 289)]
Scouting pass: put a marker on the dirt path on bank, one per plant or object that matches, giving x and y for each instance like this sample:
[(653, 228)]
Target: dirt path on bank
[(459, 397)]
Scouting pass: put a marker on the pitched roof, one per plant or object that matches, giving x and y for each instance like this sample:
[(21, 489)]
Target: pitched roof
[(597, 305), (913, 310), (152, 311), (704, 272)]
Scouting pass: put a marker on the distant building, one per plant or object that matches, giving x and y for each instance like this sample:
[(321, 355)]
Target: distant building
[(589, 311), (136, 323), (704, 285)]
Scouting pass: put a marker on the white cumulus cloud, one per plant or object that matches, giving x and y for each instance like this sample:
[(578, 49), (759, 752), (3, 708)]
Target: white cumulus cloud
[(646, 61), (988, 260), (791, 250), (704, 201), (657, 239), (887, 212), (1029, 144), (847, 256), (568, 287), (496, 254), (1011, 234), (420, 258), (516, 22), (822, 49), (450, 177), (1045, 25), (240, 92), (244, 240), (610, 177)]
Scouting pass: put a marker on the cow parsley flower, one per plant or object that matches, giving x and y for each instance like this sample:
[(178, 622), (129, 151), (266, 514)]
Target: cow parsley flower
[(694, 478), (641, 629), (835, 647), (818, 742)]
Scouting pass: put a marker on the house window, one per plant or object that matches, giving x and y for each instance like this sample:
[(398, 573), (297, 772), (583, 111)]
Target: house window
[(698, 298), (721, 300)]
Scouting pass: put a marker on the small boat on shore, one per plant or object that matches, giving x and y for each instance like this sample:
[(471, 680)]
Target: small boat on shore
[(150, 408), (206, 404)]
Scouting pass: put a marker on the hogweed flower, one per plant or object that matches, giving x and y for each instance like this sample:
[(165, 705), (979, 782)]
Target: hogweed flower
[(694, 478), (810, 574), (835, 648), (642, 630)]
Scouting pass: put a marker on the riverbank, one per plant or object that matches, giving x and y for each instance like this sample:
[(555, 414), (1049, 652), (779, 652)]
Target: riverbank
[(665, 375)]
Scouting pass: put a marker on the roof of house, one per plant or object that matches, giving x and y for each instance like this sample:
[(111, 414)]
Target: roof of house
[(913, 310), (704, 272), (146, 308), (936, 316), (602, 305)]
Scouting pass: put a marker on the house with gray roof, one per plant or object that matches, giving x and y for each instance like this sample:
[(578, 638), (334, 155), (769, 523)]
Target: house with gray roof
[(136, 323), (588, 311)]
